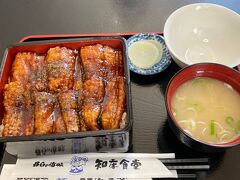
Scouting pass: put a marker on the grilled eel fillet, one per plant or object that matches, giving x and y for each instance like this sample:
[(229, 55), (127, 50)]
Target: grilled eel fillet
[(113, 63), (115, 94), (103, 63), (93, 96), (114, 103), (78, 87), (39, 75), (27, 76), (22, 66), (19, 112), (47, 114), (30, 68), (92, 61), (60, 68), (69, 107), (93, 88)]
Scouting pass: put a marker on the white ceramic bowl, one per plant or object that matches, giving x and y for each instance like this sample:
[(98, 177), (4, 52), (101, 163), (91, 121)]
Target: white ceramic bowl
[(203, 32)]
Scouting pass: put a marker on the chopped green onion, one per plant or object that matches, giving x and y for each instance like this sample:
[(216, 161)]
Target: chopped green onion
[(238, 126), (212, 127), (230, 121), (196, 106)]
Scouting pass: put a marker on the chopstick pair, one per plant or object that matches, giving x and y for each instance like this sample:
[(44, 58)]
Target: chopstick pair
[(186, 164), (180, 176)]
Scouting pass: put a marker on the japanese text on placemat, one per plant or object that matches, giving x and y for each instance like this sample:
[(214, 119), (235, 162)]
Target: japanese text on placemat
[(51, 164), (113, 163), (103, 178), (44, 150), (32, 178)]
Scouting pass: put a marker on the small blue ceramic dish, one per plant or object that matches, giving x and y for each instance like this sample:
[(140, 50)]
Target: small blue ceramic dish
[(161, 65)]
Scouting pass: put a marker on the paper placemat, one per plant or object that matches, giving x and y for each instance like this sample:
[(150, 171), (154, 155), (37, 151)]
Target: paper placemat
[(90, 166)]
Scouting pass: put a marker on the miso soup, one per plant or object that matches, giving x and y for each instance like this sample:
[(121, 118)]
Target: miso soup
[(208, 110)]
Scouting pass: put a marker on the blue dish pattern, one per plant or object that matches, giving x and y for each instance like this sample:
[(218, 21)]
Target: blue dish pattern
[(161, 65)]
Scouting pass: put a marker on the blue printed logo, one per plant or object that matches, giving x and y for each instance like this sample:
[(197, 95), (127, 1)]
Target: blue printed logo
[(77, 163)]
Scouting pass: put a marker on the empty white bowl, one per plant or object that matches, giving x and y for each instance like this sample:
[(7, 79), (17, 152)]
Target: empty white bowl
[(203, 32)]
